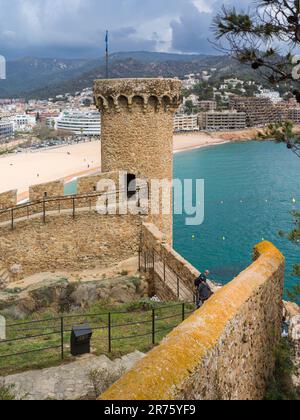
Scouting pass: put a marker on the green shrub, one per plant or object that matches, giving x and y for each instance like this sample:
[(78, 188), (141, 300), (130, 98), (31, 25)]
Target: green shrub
[(136, 282), (124, 273), (6, 392), (141, 305), (281, 386), (14, 291)]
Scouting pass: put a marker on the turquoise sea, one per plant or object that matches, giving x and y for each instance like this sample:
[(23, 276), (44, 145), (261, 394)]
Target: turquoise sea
[(250, 188)]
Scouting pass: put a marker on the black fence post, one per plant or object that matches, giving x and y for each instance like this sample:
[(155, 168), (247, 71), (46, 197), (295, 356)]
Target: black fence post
[(44, 211), (153, 269), (12, 219), (178, 288), (109, 333), (183, 312), (153, 327), (140, 260), (62, 337), (74, 208)]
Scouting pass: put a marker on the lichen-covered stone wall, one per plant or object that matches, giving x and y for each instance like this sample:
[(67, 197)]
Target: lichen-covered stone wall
[(225, 350), (91, 240)]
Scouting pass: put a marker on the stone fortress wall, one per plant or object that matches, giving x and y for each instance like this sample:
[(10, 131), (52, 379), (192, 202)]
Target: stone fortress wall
[(50, 189), (8, 199), (225, 350), (157, 249), (63, 243)]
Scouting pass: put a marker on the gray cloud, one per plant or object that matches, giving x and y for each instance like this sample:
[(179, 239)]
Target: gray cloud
[(75, 28)]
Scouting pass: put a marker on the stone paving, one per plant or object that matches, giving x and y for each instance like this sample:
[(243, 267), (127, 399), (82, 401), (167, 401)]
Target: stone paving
[(67, 382)]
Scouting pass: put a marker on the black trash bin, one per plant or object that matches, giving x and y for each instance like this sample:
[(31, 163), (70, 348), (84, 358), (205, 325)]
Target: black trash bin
[(81, 340)]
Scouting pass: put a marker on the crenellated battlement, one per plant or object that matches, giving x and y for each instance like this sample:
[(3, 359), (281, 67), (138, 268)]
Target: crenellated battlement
[(8, 199), (137, 130), (138, 95)]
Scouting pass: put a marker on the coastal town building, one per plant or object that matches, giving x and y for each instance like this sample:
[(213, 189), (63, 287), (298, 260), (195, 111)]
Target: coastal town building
[(190, 81), (79, 123), (192, 98), (259, 110), (6, 129), (273, 95), (184, 122), (207, 105), (23, 122), (234, 82), (228, 120), (293, 114)]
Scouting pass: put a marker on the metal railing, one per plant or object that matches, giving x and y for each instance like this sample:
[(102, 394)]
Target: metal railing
[(107, 327), (151, 261), (39, 207)]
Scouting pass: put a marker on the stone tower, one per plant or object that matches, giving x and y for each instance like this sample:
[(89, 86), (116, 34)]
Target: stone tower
[(137, 129)]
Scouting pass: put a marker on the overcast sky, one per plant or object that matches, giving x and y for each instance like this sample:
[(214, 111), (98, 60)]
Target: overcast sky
[(76, 28)]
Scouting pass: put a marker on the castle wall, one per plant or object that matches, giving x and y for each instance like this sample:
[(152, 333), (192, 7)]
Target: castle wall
[(89, 185), (225, 350), (8, 199), (49, 189), (66, 244), (153, 239)]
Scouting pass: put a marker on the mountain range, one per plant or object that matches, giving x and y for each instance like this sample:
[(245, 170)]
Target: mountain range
[(42, 78)]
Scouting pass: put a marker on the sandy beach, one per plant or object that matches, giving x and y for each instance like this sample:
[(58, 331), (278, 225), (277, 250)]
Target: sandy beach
[(190, 141), (19, 171)]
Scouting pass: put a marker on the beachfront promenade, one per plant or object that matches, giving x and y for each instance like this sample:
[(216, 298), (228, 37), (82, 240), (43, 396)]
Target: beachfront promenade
[(25, 169)]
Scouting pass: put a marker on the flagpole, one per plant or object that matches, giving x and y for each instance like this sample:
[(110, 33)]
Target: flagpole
[(106, 54)]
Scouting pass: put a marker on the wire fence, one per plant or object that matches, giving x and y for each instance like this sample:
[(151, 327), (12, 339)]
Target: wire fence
[(43, 342)]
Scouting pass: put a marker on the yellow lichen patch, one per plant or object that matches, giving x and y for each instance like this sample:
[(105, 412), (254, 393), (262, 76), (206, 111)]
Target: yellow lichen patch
[(167, 367), (267, 248)]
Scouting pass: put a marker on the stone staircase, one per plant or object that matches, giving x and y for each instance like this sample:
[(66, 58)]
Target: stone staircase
[(169, 278), (4, 277)]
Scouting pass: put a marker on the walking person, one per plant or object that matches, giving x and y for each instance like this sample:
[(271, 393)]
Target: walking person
[(203, 291)]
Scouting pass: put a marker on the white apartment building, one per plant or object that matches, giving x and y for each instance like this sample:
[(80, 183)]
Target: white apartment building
[(190, 81), (193, 98), (80, 123), (273, 95), (6, 129), (184, 122), (218, 121), (23, 122), (234, 82)]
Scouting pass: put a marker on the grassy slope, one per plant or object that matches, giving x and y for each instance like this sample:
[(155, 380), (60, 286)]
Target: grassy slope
[(139, 332)]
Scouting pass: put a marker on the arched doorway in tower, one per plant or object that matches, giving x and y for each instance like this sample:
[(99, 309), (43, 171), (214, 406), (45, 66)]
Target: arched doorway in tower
[(131, 185)]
